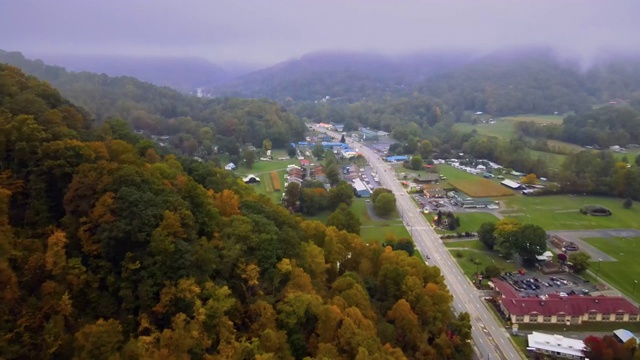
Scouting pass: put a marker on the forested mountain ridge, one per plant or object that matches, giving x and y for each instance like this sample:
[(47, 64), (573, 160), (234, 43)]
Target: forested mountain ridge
[(342, 76), (180, 73), (506, 82), (197, 125), (108, 250), (530, 82)]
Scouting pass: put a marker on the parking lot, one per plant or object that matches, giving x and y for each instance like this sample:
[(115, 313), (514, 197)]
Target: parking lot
[(536, 284)]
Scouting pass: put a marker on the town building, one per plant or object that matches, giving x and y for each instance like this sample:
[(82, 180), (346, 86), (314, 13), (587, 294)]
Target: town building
[(555, 345), (555, 309), (361, 188), (398, 158), (230, 166), (511, 184), (368, 135), (623, 335)]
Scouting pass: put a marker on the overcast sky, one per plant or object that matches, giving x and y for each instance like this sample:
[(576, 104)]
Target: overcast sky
[(267, 31)]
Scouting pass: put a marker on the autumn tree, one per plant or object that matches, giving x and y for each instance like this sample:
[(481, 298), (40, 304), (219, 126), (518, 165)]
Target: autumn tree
[(344, 219), (292, 195), (530, 179)]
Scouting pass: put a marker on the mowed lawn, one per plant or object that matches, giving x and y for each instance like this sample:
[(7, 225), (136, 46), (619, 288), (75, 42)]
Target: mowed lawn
[(503, 128), (561, 212), (471, 221), (372, 228), (481, 187), (472, 255), (452, 173), (623, 273)]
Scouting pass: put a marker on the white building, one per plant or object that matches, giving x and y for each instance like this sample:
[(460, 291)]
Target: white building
[(230, 166), (555, 345)]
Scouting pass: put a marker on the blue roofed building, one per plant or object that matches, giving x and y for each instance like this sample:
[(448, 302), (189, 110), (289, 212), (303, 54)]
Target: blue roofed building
[(398, 158), (334, 144)]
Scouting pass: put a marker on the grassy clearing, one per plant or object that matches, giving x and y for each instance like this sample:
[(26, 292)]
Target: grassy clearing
[(540, 119), (560, 212), (627, 252), (501, 129), (471, 221), (472, 260), (481, 188), (564, 146), (452, 173), (381, 233), (466, 244), (553, 161)]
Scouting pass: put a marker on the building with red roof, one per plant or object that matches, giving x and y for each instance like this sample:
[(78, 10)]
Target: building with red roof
[(571, 309)]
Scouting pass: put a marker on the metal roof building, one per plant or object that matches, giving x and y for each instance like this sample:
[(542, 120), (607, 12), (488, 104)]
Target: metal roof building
[(555, 345)]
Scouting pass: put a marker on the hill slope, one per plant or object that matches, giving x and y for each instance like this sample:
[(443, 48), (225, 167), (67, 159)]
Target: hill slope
[(108, 250), (339, 75), (183, 74)]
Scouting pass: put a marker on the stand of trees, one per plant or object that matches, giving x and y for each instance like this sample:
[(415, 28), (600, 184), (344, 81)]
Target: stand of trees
[(109, 250), (510, 237)]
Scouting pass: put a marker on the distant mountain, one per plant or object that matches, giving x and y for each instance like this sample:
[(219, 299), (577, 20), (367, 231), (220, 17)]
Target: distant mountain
[(340, 75), (513, 81), (181, 73)]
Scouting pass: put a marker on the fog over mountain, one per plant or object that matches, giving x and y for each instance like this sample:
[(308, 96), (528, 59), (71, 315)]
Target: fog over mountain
[(268, 32)]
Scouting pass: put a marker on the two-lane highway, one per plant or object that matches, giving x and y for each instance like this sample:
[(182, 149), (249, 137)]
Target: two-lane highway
[(491, 340)]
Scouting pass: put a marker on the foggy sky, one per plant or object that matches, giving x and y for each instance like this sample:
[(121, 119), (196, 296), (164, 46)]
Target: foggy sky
[(267, 31)]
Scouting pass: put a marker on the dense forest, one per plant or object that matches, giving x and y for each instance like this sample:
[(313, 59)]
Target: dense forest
[(164, 111), (602, 127), (109, 250), (342, 77)]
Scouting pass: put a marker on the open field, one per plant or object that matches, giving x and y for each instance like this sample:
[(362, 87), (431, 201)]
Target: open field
[(481, 188), (470, 260), (564, 146), (471, 221), (553, 161), (503, 127), (372, 228), (452, 173), (262, 167), (380, 233), (560, 212), (623, 273), (540, 119)]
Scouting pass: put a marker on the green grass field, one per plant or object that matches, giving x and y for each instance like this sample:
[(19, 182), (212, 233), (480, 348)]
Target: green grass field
[(471, 221), (623, 273), (452, 173), (372, 229), (561, 212), (503, 127), (467, 258)]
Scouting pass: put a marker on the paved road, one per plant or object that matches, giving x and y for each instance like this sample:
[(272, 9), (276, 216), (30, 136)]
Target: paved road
[(491, 340)]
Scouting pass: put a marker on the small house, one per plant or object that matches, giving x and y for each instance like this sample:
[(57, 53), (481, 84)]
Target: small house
[(230, 166)]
